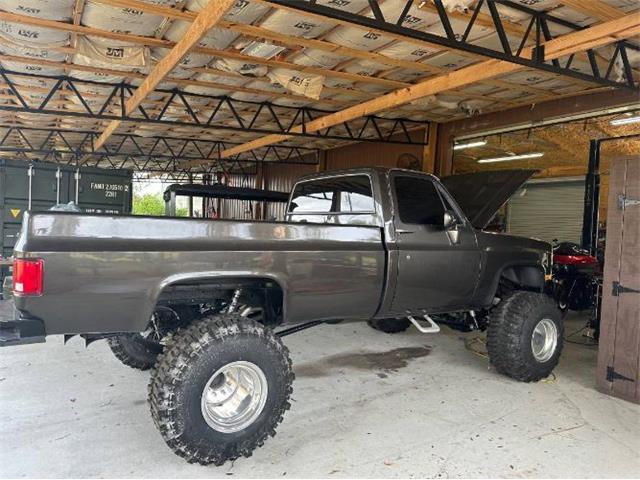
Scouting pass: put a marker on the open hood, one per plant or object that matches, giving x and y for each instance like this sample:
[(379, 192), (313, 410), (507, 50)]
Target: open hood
[(480, 195)]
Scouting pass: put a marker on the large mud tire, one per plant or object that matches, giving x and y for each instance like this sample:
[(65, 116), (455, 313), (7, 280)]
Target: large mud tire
[(512, 326), (135, 351), (185, 370), (390, 325)]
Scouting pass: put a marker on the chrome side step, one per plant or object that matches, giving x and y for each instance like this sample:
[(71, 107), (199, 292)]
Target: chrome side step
[(432, 328)]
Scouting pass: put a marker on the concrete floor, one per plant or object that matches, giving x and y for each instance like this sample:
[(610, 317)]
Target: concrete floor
[(365, 404)]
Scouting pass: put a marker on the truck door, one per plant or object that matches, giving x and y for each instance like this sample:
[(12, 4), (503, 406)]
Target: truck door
[(437, 266)]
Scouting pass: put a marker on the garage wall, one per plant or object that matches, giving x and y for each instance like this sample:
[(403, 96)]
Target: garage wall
[(373, 154), (548, 211), (370, 155)]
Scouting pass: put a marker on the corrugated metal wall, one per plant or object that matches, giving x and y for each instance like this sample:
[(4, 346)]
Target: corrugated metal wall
[(281, 178), (238, 209), (548, 211)]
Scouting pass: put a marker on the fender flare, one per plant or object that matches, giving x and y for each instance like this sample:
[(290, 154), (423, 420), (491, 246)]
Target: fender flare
[(530, 266), (154, 293)]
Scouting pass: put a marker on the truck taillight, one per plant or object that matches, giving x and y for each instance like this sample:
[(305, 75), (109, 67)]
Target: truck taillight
[(28, 276)]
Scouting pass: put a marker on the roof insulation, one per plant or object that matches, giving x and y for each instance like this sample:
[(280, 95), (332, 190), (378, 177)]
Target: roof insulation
[(261, 53)]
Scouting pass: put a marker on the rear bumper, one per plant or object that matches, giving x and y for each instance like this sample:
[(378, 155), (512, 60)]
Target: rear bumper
[(21, 331)]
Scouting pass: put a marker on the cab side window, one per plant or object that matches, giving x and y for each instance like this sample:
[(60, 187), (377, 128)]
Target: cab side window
[(419, 202)]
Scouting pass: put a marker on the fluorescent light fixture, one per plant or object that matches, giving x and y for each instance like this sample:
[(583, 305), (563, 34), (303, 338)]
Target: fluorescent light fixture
[(625, 121), (477, 143), (524, 156)]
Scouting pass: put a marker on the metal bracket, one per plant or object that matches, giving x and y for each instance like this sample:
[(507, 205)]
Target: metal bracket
[(617, 289), (624, 202), (432, 328), (613, 375)]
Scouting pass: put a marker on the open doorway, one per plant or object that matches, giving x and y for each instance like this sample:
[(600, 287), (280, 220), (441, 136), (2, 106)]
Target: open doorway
[(566, 203)]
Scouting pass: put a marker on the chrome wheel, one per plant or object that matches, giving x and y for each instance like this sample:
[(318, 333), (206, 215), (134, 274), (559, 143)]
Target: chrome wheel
[(234, 397), (544, 340)]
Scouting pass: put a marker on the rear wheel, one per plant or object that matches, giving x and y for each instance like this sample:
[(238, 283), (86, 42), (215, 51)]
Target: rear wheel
[(524, 338), (135, 351), (389, 325), (220, 388)]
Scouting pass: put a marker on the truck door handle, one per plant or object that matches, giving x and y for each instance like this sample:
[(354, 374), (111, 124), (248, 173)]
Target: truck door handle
[(401, 230)]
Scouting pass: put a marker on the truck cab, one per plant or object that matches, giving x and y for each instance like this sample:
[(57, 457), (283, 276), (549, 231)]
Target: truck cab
[(438, 258)]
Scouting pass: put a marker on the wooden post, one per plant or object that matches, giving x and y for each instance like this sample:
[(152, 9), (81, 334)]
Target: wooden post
[(429, 152), (322, 161), (444, 151)]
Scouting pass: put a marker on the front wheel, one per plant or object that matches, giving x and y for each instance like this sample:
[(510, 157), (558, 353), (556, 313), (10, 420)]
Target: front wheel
[(524, 338), (220, 388)]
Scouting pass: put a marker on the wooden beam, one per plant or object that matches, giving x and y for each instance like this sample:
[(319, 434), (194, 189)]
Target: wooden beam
[(158, 42), (425, 88), (260, 33), (209, 16), (594, 8), (266, 34), (526, 116), (571, 43)]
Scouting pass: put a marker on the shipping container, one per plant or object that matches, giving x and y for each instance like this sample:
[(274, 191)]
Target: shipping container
[(41, 185)]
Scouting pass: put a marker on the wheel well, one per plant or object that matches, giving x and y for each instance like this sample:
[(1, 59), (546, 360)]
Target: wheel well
[(522, 277), (216, 294)]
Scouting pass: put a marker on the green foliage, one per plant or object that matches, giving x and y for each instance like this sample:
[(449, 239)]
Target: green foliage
[(150, 204)]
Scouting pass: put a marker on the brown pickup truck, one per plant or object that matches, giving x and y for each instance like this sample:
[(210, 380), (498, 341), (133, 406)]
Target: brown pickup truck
[(206, 302)]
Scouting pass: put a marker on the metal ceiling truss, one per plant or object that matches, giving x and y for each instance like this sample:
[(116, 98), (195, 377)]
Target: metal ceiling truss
[(161, 154), (160, 176), (244, 167), (179, 108), (536, 33)]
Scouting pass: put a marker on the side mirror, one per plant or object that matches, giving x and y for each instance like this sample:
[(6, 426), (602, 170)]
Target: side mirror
[(450, 220)]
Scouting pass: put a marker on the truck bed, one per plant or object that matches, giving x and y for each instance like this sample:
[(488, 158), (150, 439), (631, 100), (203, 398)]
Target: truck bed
[(104, 273)]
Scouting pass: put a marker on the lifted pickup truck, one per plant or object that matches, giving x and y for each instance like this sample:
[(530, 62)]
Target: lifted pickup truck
[(206, 302)]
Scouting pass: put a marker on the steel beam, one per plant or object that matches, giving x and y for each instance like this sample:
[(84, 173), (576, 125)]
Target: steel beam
[(140, 153), (202, 111)]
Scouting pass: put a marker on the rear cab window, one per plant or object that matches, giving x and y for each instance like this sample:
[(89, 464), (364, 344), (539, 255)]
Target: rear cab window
[(327, 200)]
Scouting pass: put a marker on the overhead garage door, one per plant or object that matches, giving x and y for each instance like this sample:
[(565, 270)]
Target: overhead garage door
[(548, 211)]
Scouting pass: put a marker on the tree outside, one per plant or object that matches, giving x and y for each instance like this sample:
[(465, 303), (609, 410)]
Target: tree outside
[(150, 204)]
